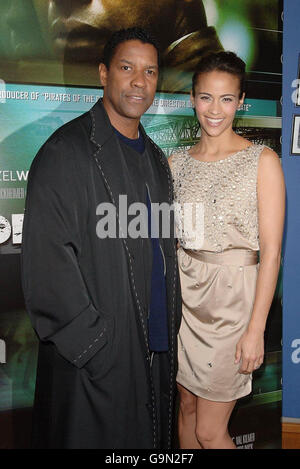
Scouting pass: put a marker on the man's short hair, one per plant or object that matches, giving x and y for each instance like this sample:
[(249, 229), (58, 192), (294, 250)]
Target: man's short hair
[(129, 34)]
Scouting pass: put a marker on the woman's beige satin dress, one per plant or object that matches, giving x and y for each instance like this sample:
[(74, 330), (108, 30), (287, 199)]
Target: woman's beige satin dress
[(217, 226)]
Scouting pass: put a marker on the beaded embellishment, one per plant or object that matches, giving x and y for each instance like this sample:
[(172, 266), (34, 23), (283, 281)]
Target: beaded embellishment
[(227, 188)]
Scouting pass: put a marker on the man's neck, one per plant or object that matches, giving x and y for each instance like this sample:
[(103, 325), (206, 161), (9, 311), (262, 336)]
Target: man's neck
[(126, 126)]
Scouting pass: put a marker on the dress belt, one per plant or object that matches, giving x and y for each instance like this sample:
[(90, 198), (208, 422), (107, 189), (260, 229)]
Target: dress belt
[(239, 257)]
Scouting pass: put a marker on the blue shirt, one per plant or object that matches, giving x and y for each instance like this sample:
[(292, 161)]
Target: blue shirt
[(158, 315)]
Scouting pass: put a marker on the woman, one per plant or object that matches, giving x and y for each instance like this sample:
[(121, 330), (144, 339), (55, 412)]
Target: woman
[(237, 194)]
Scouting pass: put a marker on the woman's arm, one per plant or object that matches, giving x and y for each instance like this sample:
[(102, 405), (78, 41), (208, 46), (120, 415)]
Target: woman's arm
[(271, 207)]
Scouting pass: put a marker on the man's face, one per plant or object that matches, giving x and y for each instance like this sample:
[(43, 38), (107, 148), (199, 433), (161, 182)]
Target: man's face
[(131, 80), (79, 28)]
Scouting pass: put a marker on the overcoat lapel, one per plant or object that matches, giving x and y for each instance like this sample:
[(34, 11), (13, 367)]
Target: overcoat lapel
[(165, 191), (112, 166), (162, 191)]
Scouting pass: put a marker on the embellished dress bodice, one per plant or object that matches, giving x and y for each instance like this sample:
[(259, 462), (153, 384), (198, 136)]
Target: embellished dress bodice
[(216, 201)]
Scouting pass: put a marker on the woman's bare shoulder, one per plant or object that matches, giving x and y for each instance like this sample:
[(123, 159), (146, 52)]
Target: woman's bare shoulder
[(269, 167), (268, 161), (268, 154)]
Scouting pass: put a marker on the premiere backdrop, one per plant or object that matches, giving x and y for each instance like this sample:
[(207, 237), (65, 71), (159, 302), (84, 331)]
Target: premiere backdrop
[(48, 72)]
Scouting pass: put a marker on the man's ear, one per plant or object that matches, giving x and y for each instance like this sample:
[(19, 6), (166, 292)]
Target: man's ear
[(103, 74)]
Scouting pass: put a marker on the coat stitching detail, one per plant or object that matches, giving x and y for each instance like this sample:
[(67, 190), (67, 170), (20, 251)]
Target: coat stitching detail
[(131, 269), (90, 346)]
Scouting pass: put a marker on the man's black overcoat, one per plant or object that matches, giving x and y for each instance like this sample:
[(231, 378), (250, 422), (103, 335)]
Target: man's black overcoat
[(86, 297)]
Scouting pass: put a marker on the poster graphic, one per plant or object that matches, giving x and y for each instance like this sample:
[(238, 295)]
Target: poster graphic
[(49, 54)]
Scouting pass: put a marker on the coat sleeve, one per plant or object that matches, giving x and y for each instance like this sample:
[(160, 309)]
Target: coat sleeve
[(55, 220)]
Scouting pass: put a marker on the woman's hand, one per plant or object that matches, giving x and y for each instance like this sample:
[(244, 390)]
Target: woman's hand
[(250, 350)]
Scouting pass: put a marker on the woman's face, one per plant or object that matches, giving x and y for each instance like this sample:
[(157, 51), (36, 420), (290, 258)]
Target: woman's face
[(216, 101)]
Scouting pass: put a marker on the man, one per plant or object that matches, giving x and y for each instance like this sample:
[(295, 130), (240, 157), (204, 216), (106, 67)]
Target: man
[(106, 309)]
